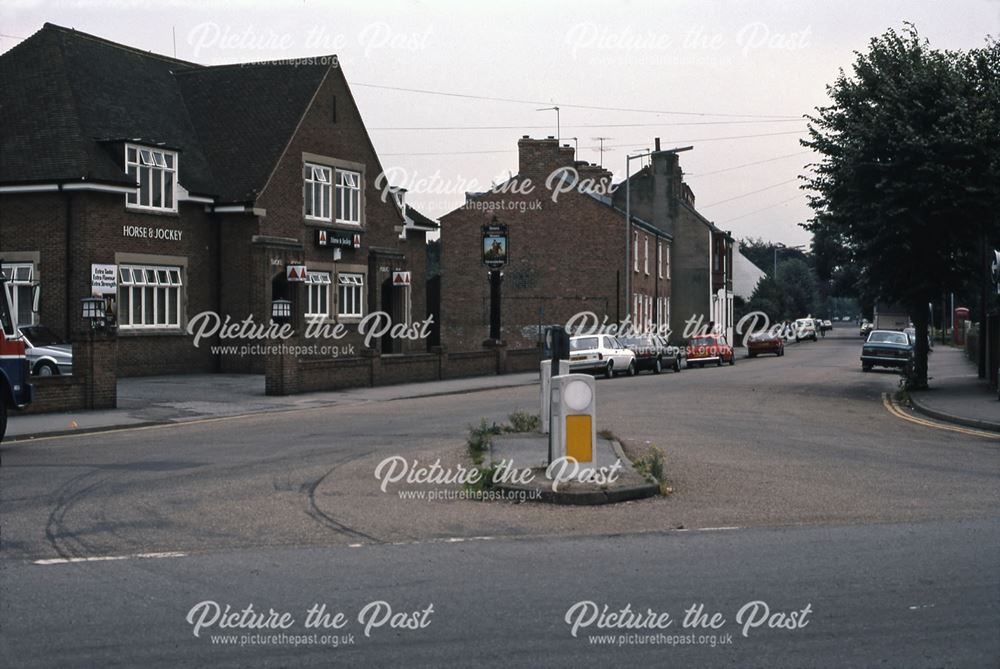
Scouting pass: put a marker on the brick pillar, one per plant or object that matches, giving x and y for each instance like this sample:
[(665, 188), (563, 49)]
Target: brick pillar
[(499, 348), (95, 362)]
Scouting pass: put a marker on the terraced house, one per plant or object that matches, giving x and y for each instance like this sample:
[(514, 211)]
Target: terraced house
[(186, 188)]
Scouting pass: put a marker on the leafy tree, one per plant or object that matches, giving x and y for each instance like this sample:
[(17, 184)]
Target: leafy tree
[(908, 188)]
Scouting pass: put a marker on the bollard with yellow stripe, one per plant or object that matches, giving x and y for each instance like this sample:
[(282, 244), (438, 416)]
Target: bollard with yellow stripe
[(574, 417)]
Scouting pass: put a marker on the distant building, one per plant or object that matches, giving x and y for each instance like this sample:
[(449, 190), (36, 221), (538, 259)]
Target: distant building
[(702, 290)]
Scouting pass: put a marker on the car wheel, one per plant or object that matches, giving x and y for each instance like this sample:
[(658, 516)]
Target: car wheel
[(718, 361), (750, 354), (46, 368), (814, 338), (657, 366), (631, 368), (609, 371), (677, 364), (3, 418), (732, 359), (866, 368), (781, 352)]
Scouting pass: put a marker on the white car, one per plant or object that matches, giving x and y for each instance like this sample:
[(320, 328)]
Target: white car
[(600, 353), (804, 328)]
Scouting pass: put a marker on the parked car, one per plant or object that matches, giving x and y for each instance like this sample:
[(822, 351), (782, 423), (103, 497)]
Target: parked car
[(600, 353), (886, 348), (765, 342), (866, 328), (651, 353), (912, 334), (673, 356), (805, 328), (709, 348), (47, 354)]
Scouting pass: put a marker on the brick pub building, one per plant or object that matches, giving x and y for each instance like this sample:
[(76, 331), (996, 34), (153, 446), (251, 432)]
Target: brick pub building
[(199, 185), (566, 254)]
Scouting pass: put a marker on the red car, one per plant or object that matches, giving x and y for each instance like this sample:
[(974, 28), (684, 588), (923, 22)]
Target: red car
[(765, 342), (709, 348)]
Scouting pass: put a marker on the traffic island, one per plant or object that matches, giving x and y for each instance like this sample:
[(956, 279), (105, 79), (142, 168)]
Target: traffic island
[(609, 479)]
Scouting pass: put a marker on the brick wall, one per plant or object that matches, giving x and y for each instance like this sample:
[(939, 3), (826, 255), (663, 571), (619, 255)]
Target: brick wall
[(93, 385), (566, 257)]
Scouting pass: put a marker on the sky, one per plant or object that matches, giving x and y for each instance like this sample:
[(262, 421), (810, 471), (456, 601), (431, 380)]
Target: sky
[(732, 79)]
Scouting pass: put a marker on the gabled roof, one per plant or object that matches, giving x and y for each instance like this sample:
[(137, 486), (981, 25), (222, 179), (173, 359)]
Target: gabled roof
[(68, 100), (244, 116)]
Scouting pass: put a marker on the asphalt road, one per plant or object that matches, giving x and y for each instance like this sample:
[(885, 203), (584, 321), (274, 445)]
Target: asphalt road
[(838, 502), (907, 595)]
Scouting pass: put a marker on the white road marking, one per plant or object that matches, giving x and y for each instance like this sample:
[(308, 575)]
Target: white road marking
[(108, 558), (717, 529)]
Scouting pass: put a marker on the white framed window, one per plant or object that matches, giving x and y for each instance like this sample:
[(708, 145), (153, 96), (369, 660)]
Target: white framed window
[(318, 294), (155, 174), (659, 260), (668, 261), (149, 296), (18, 282), (645, 259), (348, 197), (350, 294), (635, 251), (317, 192)]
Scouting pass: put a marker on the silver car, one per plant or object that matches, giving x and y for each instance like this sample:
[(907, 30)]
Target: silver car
[(47, 354)]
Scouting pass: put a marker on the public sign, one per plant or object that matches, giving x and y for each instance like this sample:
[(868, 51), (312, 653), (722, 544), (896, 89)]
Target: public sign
[(335, 238), (401, 278), (103, 280), (495, 245), (295, 273)]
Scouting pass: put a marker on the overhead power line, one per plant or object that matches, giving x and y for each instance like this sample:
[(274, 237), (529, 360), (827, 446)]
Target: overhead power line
[(738, 167), (757, 211), (606, 146), (584, 125), (469, 96), (743, 195)]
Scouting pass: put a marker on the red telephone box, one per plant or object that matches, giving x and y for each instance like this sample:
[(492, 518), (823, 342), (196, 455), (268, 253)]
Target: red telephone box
[(958, 333)]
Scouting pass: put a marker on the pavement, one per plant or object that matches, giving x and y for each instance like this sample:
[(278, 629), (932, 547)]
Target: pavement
[(161, 400), (957, 394)]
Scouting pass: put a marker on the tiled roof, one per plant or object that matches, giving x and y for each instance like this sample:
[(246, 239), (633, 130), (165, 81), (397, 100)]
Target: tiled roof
[(68, 100), (420, 220)]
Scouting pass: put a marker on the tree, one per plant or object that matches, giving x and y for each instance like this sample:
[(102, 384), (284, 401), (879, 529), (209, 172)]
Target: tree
[(908, 189)]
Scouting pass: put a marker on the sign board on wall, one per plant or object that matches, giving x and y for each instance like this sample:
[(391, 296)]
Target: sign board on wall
[(400, 278), (337, 238), (103, 280), (295, 273)]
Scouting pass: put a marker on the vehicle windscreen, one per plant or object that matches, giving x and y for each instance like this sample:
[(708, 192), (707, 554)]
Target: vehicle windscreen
[(39, 335), (583, 344), (888, 338)]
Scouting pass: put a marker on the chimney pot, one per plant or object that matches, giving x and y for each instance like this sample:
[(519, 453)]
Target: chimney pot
[(657, 143)]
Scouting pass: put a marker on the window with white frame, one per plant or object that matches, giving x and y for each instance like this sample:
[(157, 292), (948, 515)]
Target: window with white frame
[(318, 294), (350, 294), (318, 189), (348, 197), (149, 296), (155, 174), (18, 282), (645, 260), (649, 313), (668, 261), (659, 260), (635, 251)]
